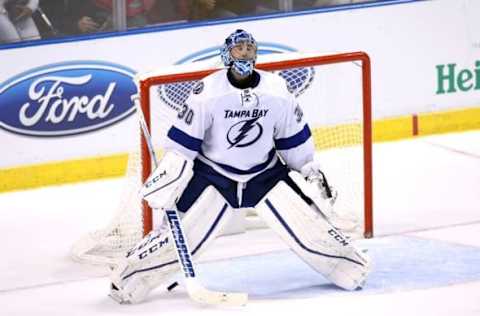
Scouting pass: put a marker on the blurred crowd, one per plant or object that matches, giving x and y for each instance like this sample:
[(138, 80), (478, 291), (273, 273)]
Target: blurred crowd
[(35, 19)]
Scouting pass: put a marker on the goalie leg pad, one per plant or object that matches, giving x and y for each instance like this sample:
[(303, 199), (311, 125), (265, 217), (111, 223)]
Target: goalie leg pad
[(313, 238), (342, 219), (154, 260)]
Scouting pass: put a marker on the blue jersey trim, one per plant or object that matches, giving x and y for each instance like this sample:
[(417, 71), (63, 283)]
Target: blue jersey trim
[(295, 140), (254, 169), (182, 138)]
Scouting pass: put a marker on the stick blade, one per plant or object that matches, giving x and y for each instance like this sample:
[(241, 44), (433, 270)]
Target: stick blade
[(204, 296)]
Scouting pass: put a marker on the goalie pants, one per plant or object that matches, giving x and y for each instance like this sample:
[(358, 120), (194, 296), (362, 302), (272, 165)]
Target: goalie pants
[(253, 191)]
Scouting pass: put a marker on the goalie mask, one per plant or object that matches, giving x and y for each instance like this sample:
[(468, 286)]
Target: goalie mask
[(244, 67)]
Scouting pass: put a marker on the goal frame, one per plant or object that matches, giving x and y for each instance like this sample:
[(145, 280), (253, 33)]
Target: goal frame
[(144, 85)]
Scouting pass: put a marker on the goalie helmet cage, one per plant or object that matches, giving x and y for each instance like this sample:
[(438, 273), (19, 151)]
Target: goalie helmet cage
[(166, 91)]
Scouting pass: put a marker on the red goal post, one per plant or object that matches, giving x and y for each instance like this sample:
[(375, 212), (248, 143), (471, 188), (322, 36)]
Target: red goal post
[(146, 82)]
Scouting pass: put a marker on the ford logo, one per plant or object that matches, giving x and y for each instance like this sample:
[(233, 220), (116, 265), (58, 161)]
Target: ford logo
[(66, 99)]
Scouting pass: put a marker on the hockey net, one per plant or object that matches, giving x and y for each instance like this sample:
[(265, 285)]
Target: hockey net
[(334, 92)]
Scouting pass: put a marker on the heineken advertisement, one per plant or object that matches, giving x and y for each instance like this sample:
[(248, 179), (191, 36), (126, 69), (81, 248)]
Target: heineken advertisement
[(451, 78)]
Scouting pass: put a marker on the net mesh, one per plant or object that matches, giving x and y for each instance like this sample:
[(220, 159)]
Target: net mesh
[(104, 245)]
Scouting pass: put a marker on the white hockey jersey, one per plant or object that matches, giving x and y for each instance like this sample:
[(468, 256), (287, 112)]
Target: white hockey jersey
[(238, 132)]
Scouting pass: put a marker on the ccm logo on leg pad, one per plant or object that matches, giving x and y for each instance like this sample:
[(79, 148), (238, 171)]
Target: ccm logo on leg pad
[(338, 237)]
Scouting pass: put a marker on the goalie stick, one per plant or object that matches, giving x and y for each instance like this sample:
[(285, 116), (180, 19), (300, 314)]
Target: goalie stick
[(195, 290)]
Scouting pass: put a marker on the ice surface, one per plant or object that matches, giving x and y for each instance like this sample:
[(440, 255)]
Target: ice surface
[(426, 252)]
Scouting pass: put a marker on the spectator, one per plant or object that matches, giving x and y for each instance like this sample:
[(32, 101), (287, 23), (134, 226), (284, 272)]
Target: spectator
[(96, 15), (16, 23), (63, 17), (52, 16), (211, 9), (165, 11)]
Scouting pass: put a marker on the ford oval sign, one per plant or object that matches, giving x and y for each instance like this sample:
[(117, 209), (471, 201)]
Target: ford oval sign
[(66, 99)]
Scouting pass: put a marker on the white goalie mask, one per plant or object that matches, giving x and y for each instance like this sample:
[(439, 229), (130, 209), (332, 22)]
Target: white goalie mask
[(243, 67)]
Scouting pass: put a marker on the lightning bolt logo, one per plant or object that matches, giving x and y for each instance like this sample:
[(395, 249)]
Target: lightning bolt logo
[(243, 130)]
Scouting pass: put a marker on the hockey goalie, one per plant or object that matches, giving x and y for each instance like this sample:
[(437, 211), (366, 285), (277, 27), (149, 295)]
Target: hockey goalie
[(246, 145)]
